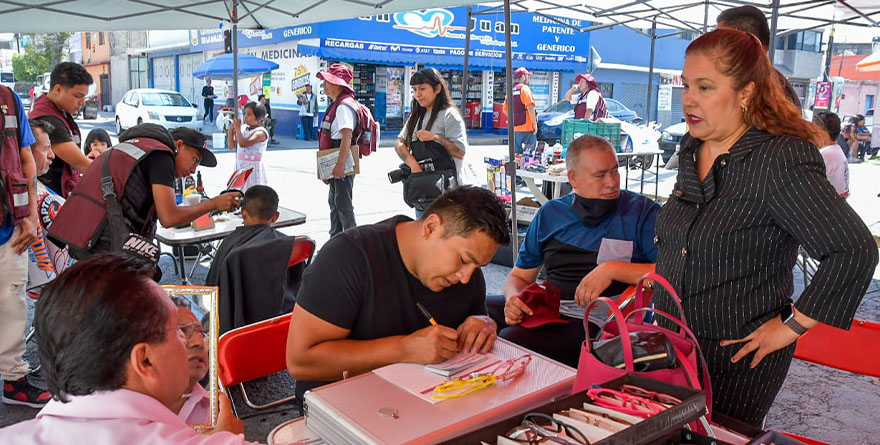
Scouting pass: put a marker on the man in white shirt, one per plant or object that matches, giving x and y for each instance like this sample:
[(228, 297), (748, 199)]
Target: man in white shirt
[(115, 360), (836, 167)]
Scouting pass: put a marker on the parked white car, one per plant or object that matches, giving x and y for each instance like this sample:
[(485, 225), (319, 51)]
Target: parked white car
[(150, 105)]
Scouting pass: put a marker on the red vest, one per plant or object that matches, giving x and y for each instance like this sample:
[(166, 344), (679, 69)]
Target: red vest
[(520, 112), (44, 107), (14, 202), (324, 141), (580, 108), (82, 219)]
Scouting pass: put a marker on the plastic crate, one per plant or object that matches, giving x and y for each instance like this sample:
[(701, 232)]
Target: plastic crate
[(574, 128)]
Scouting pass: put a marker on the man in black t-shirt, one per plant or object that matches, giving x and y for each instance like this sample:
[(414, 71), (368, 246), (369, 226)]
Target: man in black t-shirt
[(148, 195), (357, 306)]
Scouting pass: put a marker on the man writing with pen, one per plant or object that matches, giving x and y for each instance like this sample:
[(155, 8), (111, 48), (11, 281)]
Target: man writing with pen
[(358, 306)]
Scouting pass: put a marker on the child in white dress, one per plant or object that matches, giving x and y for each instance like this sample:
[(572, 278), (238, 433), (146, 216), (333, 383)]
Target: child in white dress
[(249, 141)]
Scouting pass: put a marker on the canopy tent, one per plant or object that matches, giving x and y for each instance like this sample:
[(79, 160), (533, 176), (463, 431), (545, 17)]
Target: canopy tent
[(870, 63), (786, 16), (220, 67)]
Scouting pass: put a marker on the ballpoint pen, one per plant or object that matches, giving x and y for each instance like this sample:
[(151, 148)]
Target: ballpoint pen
[(427, 314)]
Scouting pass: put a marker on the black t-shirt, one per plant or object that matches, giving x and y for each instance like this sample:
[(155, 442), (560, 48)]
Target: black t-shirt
[(157, 168), (58, 135), (208, 92), (359, 282)]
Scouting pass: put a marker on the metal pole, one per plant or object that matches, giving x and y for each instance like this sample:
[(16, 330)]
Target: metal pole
[(235, 57), (774, 18), (467, 50), (826, 72), (705, 16), (648, 101), (511, 164)]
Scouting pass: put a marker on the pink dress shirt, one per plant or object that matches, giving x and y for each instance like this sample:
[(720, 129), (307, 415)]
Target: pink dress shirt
[(197, 408), (110, 417)]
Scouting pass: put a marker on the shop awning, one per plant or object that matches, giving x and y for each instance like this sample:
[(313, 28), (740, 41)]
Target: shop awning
[(403, 54)]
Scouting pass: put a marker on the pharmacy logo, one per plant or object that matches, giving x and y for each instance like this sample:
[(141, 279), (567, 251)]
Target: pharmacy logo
[(428, 23)]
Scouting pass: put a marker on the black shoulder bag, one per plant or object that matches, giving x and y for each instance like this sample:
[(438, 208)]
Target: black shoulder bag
[(437, 175)]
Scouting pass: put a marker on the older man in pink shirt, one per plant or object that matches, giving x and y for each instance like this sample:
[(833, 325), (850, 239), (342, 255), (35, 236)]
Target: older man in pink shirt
[(115, 361)]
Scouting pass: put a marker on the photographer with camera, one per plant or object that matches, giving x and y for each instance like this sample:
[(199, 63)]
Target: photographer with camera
[(432, 149)]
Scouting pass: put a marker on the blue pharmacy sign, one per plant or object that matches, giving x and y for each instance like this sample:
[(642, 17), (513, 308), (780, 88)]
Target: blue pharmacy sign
[(212, 39), (436, 37)]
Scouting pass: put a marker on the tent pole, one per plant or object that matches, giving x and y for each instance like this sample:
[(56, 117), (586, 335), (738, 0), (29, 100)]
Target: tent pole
[(467, 50), (511, 164), (650, 72), (705, 16), (774, 18), (235, 57)]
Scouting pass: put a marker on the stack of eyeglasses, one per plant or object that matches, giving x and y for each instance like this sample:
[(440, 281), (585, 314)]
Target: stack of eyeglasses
[(611, 411), (504, 371)]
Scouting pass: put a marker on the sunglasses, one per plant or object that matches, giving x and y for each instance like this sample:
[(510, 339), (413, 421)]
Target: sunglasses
[(540, 428), (592, 419), (665, 399), (625, 402), (505, 371)]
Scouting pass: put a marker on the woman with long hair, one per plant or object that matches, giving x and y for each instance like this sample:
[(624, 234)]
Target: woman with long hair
[(751, 188), (434, 119)]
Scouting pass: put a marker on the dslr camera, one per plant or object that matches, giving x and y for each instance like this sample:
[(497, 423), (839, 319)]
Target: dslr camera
[(403, 171)]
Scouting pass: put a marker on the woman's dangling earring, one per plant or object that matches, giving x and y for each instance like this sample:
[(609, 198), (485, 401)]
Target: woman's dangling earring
[(744, 109)]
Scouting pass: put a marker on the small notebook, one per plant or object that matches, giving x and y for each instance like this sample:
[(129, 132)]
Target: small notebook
[(456, 364)]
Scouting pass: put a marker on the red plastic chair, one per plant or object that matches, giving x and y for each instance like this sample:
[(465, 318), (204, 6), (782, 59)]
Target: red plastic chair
[(303, 249), (251, 352), (850, 350)]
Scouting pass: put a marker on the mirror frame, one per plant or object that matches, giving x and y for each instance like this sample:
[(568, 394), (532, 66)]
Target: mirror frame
[(213, 329)]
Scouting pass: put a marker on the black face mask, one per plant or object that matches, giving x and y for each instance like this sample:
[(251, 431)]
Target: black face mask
[(592, 210)]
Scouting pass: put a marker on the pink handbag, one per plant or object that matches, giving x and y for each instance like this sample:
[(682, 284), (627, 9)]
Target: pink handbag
[(591, 370)]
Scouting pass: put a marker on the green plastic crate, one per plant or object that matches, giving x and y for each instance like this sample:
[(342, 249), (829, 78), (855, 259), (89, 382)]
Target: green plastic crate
[(573, 128)]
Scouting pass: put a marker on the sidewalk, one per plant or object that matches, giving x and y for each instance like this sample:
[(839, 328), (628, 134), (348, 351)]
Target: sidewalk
[(388, 139)]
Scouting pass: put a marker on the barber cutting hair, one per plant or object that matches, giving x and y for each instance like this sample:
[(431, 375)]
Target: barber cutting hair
[(142, 169)]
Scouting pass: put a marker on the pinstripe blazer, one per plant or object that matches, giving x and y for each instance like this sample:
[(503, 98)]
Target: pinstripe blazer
[(728, 244)]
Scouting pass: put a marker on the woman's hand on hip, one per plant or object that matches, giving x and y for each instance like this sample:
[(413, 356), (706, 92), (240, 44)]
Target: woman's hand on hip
[(769, 337)]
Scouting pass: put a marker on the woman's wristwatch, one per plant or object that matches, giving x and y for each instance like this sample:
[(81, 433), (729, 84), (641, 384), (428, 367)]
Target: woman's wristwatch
[(787, 317)]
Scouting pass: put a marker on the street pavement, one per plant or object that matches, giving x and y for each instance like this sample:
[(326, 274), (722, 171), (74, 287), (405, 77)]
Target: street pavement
[(816, 401)]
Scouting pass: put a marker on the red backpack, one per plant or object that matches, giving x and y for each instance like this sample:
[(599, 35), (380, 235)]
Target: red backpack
[(366, 132)]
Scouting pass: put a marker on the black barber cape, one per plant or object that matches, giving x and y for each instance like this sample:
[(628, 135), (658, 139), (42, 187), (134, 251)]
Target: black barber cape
[(250, 268)]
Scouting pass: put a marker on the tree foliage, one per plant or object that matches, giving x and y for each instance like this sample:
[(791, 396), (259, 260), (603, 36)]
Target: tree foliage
[(40, 57)]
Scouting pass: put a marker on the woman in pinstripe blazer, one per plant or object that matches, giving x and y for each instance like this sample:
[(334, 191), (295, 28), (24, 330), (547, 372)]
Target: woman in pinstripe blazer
[(751, 188)]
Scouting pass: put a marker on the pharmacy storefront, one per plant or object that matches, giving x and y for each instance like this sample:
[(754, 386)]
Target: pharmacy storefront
[(386, 49)]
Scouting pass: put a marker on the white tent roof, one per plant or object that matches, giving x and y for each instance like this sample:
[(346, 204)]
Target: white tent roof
[(120, 15), (112, 15), (689, 15)]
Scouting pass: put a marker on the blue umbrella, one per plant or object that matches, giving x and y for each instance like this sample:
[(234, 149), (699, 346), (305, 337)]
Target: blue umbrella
[(220, 67)]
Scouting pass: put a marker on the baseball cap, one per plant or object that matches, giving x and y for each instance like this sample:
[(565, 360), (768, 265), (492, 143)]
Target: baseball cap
[(543, 300), (338, 74), (195, 139), (521, 71)]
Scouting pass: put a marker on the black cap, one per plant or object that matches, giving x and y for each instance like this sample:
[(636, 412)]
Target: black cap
[(195, 139)]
